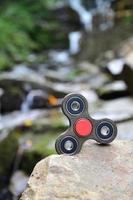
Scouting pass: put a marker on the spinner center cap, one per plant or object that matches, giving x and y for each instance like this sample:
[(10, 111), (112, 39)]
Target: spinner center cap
[(83, 127)]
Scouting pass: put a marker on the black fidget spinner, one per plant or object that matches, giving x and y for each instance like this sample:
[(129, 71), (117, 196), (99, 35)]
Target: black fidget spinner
[(82, 126)]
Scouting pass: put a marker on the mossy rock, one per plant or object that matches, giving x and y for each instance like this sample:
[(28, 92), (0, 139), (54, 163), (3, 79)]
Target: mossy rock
[(8, 149), (12, 98)]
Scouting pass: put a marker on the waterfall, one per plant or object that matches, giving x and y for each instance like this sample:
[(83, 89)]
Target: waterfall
[(28, 102), (100, 7), (103, 7), (74, 38), (84, 15)]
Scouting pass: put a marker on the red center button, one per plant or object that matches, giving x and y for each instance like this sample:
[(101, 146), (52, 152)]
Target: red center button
[(83, 127)]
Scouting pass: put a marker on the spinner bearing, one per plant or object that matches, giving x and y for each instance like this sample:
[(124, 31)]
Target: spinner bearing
[(82, 127)]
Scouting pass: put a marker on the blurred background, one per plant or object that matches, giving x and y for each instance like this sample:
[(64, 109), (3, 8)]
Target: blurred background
[(49, 48)]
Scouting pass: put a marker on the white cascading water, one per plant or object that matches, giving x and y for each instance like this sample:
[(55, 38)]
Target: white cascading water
[(85, 18), (103, 7), (74, 38), (27, 103), (84, 15)]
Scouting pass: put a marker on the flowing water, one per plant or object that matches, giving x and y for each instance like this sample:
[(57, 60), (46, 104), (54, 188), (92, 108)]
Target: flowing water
[(100, 7)]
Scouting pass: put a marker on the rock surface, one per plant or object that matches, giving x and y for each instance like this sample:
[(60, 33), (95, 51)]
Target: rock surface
[(97, 173)]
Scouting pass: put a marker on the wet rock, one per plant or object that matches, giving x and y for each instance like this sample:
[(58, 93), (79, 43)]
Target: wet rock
[(122, 71), (15, 89), (20, 74), (96, 43), (16, 119), (18, 183), (113, 90), (122, 68), (125, 50), (11, 98), (17, 84), (92, 174), (91, 74), (127, 76), (119, 110)]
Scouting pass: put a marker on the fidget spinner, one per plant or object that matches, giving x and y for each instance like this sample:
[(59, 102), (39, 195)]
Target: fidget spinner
[(82, 127)]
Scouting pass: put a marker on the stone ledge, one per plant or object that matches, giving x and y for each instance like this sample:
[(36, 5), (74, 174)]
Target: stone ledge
[(97, 173)]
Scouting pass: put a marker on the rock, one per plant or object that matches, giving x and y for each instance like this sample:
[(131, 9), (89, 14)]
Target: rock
[(113, 90), (16, 84), (11, 98), (127, 76), (91, 74), (95, 44), (125, 50), (20, 74), (121, 70), (8, 149), (16, 119), (118, 110), (97, 173)]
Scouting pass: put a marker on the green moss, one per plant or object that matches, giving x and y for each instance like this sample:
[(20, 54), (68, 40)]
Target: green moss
[(29, 161), (74, 73), (42, 146), (5, 61), (128, 20), (40, 139), (8, 148)]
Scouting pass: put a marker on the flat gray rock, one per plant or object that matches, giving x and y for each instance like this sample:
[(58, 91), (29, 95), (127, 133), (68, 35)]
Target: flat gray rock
[(97, 173)]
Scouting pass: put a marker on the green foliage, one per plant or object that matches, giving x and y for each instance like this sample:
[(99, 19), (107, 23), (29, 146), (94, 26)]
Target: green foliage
[(15, 43), (25, 27)]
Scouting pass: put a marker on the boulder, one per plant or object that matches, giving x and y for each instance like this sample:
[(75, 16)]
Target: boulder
[(113, 90), (119, 110), (96, 173)]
